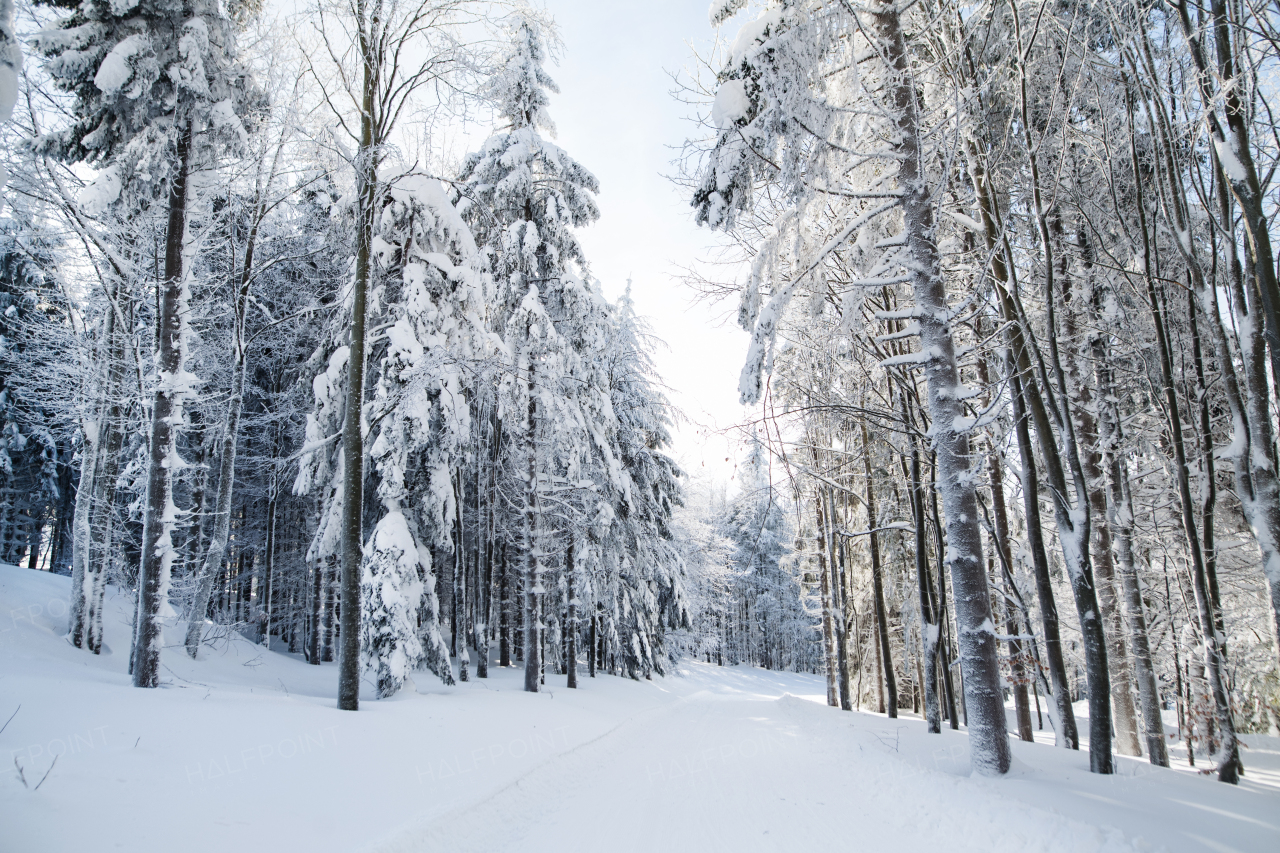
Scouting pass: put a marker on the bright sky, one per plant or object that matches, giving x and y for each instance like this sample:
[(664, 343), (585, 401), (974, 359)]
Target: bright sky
[(616, 116)]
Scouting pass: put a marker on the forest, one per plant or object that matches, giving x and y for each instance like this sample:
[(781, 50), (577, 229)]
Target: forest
[(301, 346)]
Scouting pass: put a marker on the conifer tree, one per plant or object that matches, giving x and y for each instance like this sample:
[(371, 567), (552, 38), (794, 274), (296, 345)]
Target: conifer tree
[(158, 93), (526, 196)]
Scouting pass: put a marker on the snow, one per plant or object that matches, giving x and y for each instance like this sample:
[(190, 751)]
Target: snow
[(246, 745), (722, 10), (115, 70), (965, 220), (731, 104), (752, 35), (103, 192), (1230, 160)]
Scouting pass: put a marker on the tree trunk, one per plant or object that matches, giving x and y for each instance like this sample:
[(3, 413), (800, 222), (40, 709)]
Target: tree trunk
[(1061, 714), (940, 603), (1104, 574), (533, 566), (329, 615), (1017, 654), (1258, 482), (222, 505), (571, 624), (1126, 722), (928, 616), (989, 741), (824, 585), (840, 546), (269, 560), (1228, 767), (504, 615), (486, 542), (1119, 516), (166, 414), (877, 584), (352, 530), (81, 524), (591, 657), (1229, 759), (461, 606)]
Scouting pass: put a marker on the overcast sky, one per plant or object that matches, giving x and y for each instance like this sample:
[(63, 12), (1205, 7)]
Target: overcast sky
[(616, 116)]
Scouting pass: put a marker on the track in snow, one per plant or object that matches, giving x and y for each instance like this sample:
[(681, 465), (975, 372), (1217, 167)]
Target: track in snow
[(719, 770)]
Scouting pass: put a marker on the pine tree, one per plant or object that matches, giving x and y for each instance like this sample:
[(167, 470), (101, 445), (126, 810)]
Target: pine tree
[(526, 195), (422, 402), (157, 95)]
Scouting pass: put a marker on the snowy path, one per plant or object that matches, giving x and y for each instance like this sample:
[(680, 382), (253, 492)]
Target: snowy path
[(716, 770), (244, 750)]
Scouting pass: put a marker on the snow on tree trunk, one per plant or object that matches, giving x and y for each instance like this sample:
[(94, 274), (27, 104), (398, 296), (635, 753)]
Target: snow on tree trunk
[(1119, 517), (929, 623), (877, 588), (1061, 715), (1173, 201), (166, 415), (1120, 510), (352, 531), (824, 586), (989, 740), (80, 530)]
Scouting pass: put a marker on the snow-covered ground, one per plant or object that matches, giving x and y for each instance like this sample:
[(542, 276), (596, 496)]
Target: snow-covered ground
[(245, 750)]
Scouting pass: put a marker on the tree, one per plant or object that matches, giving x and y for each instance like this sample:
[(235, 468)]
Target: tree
[(369, 45), (526, 196), (158, 94)]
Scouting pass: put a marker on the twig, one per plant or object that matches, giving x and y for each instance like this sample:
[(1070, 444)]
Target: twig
[(21, 775), (10, 720), (47, 772), (180, 678)]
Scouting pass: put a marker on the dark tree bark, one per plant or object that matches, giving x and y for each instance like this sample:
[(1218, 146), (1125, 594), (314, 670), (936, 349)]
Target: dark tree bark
[(504, 614), (317, 606), (1057, 690), (1229, 757), (1017, 654), (591, 657), (1063, 718), (571, 624), (824, 585), (533, 565), (928, 616), (157, 546), (877, 584)]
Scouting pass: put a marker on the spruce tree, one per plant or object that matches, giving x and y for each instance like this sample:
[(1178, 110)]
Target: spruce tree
[(526, 196), (157, 95)]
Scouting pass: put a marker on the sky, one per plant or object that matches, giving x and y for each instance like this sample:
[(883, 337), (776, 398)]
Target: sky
[(615, 114)]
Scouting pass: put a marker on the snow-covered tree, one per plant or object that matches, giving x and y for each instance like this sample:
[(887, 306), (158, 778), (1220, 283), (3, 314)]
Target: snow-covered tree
[(436, 334), (371, 86), (526, 196), (158, 96)]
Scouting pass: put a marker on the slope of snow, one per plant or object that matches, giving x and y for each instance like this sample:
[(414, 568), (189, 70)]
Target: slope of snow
[(244, 749)]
